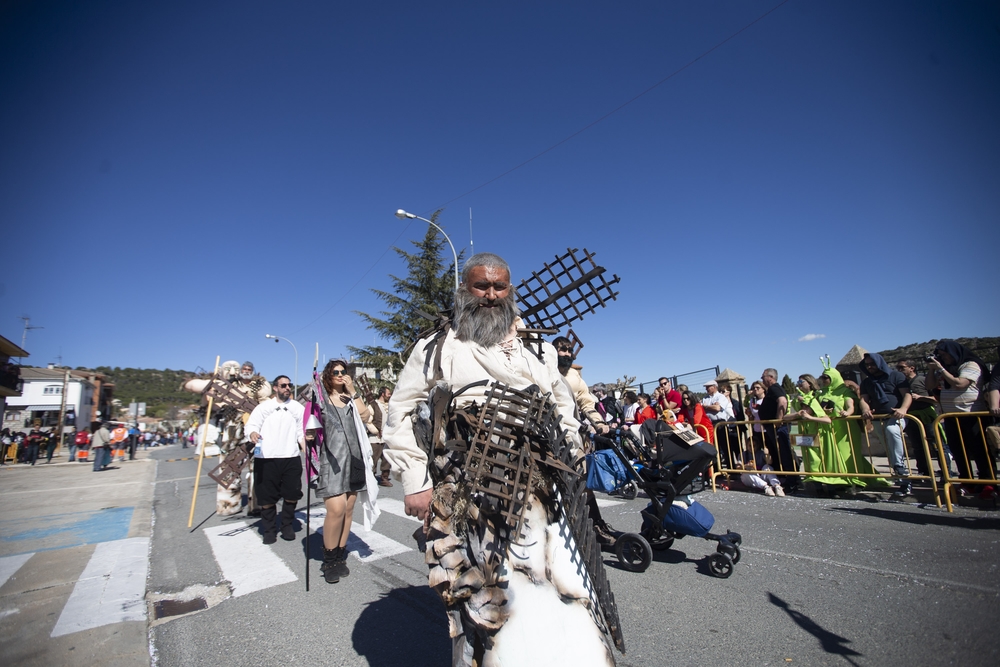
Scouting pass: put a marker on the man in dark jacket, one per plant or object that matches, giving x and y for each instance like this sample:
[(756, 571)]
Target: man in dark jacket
[(34, 442), (887, 392)]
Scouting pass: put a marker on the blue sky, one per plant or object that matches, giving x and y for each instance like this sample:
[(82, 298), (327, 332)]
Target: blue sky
[(178, 179)]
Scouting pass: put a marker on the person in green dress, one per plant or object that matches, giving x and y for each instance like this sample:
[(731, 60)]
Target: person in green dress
[(823, 454), (839, 402)]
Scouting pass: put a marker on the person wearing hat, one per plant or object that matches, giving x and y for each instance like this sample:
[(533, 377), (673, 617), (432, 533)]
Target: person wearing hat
[(719, 409)]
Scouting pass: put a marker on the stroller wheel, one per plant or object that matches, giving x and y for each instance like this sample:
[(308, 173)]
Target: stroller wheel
[(736, 556), (634, 552), (630, 490), (720, 565)]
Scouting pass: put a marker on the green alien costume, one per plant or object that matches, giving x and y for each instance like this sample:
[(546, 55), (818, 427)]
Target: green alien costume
[(826, 454), (849, 436)]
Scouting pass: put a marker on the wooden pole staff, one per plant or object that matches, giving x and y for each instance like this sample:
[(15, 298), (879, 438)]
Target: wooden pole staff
[(204, 437)]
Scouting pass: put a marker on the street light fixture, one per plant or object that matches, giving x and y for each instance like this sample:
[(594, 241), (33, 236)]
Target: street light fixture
[(295, 388), (403, 215)]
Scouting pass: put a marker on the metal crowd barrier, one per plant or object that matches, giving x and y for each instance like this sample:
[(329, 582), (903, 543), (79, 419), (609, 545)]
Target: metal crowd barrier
[(730, 452), (957, 429)]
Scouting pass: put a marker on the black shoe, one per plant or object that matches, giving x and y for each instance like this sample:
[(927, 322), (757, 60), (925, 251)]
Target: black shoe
[(902, 493), (329, 566), (254, 513), (288, 521)]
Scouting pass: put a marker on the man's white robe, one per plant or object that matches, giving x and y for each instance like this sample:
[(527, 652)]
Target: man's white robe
[(549, 598)]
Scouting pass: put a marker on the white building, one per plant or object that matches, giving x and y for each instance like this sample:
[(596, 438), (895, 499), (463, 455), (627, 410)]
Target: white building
[(88, 397)]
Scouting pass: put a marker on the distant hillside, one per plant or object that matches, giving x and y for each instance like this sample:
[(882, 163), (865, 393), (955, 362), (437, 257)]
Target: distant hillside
[(985, 348), (159, 390)]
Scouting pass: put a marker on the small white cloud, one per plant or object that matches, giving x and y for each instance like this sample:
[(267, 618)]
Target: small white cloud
[(809, 337)]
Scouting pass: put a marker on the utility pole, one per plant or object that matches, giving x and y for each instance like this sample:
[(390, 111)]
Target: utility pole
[(24, 336), (62, 414)]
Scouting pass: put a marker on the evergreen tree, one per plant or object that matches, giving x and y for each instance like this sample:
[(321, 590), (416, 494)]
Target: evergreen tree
[(429, 287), (788, 386)]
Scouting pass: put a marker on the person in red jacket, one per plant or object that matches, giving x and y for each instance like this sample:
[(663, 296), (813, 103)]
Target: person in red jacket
[(692, 413), (644, 412)]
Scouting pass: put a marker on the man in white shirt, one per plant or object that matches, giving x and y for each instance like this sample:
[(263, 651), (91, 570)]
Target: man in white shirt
[(717, 406), (275, 428)]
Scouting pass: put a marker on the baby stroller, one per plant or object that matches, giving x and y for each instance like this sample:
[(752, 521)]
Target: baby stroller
[(669, 473)]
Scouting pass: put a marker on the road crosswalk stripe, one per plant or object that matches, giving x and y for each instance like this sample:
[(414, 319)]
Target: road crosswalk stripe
[(393, 506), (246, 562), (607, 502), (365, 546), (11, 564), (112, 588)]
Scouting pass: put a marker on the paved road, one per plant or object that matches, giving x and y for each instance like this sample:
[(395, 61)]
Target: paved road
[(821, 582), (74, 554)]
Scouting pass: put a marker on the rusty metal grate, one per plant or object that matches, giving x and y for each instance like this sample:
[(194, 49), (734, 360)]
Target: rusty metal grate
[(564, 291), (516, 432)]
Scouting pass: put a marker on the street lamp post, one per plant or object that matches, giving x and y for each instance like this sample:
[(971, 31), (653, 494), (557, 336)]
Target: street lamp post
[(403, 215), (295, 389)]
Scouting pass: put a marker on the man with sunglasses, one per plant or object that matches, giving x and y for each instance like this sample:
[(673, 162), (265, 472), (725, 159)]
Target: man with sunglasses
[(275, 428), (666, 397)]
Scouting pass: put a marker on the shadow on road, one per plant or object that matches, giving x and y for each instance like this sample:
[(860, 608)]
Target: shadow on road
[(924, 518), (831, 642), (406, 626), (669, 556)]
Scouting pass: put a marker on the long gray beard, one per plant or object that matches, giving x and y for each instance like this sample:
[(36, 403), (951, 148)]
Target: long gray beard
[(486, 326)]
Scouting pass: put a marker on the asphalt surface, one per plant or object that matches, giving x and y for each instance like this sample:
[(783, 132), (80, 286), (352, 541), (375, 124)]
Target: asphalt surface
[(820, 582)]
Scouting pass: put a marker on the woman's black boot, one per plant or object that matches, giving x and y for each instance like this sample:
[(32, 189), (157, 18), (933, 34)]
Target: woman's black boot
[(341, 562), (329, 567)]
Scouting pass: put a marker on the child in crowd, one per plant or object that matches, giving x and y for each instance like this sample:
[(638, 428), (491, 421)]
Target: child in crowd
[(757, 466)]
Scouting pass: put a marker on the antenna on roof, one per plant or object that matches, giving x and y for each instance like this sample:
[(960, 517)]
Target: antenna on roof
[(24, 336)]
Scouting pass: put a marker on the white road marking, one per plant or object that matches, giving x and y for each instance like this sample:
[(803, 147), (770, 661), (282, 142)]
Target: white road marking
[(875, 570), (246, 562), (372, 546), (85, 486), (607, 502), (112, 588), (393, 506), (11, 564), (368, 546), (9, 612)]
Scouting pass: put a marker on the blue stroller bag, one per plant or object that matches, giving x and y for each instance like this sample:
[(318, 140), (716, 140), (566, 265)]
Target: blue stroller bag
[(605, 471), (695, 520)]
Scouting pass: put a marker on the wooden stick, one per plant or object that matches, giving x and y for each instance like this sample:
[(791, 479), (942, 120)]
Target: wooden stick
[(204, 437)]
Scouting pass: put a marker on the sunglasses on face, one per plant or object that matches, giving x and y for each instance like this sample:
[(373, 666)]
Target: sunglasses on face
[(284, 385), (337, 372), (663, 384)]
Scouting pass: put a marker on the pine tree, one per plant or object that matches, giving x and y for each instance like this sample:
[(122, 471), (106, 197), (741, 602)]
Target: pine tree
[(788, 386), (429, 287)]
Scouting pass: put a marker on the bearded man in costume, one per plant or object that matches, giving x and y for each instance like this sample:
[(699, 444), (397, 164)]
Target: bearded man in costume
[(237, 390), (529, 591)]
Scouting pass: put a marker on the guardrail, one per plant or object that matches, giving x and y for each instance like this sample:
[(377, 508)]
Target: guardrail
[(969, 444), (827, 455)]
